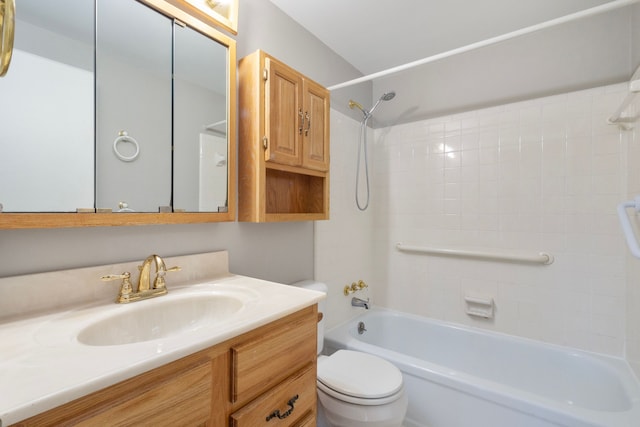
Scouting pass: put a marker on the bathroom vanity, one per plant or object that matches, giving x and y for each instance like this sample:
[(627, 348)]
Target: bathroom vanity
[(253, 364), (245, 379)]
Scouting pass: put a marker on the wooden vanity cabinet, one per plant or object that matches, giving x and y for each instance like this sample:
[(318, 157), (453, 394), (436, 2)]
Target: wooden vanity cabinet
[(240, 383), (283, 143)]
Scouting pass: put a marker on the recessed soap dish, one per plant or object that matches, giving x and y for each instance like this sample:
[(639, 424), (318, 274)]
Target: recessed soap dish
[(480, 306)]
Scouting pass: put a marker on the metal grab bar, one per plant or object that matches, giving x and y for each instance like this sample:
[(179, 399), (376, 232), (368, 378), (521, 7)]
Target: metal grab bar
[(540, 258)]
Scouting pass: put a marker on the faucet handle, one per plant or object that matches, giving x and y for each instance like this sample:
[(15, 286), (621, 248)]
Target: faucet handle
[(125, 288), (159, 283)]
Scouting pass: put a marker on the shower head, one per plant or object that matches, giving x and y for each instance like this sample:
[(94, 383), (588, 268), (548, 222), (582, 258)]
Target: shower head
[(388, 96)]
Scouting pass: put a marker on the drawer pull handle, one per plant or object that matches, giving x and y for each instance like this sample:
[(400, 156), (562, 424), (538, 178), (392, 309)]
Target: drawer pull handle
[(288, 412)]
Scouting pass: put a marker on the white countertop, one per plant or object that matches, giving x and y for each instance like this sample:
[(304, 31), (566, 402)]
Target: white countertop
[(42, 365)]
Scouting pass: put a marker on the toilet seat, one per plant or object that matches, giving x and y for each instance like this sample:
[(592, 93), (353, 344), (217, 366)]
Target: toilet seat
[(359, 378)]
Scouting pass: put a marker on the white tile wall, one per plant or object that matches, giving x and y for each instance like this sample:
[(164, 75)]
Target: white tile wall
[(633, 264), (540, 175)]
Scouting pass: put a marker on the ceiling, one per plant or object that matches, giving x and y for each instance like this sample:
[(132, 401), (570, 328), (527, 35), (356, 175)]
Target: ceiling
[(373, 35)]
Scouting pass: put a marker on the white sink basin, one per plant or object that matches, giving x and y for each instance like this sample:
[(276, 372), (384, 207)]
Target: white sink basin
[(160, 317)]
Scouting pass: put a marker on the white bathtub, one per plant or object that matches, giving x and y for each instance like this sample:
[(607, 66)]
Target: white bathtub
[(461, 377)]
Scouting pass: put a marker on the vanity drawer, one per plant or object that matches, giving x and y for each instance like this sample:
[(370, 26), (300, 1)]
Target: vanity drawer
[(309, 420), (265, 361), (296, 394)]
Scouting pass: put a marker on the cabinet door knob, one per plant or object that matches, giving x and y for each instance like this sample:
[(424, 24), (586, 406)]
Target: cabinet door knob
[(285, 414)]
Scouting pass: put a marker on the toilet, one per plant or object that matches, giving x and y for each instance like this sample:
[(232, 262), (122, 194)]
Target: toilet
[(356, 389)]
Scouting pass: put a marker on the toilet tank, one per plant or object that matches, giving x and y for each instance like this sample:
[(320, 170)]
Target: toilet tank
[(320, 287)]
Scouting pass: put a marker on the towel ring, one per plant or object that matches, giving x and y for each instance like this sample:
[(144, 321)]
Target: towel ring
[(124, 137), (124, 207)]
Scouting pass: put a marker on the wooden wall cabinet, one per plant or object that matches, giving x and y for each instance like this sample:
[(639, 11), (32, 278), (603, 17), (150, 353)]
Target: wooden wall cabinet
[(283, 143), (240, 383)]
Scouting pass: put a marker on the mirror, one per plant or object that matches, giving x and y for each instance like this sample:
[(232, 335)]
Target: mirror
[(133, 95), (46, 105), (200, 123), (162, 144)]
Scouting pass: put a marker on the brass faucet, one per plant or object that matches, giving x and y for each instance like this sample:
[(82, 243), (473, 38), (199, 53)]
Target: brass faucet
[(144, 290)]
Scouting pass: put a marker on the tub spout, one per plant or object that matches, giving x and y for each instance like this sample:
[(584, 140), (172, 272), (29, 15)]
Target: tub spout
[(357, 302)]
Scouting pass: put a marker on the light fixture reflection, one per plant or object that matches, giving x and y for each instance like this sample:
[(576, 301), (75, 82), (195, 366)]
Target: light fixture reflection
[(215, 4), (447, 150)]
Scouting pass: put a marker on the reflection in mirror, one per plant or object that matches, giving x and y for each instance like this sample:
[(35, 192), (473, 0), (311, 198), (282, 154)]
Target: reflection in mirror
[(7, 27), (46, 106), (200, 123), (133, 95)]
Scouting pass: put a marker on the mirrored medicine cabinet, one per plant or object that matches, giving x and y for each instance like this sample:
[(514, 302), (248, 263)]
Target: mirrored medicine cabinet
[(116, 112)]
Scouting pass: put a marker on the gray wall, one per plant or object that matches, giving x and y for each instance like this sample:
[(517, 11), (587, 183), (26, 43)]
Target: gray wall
[(264, 26), (635, 37), (281, 252)]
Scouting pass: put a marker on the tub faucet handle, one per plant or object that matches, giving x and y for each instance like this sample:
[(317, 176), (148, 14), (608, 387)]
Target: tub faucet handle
[(355, 287)]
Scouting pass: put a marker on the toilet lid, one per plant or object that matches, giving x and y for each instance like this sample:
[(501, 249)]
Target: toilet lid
[(361, 375)]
